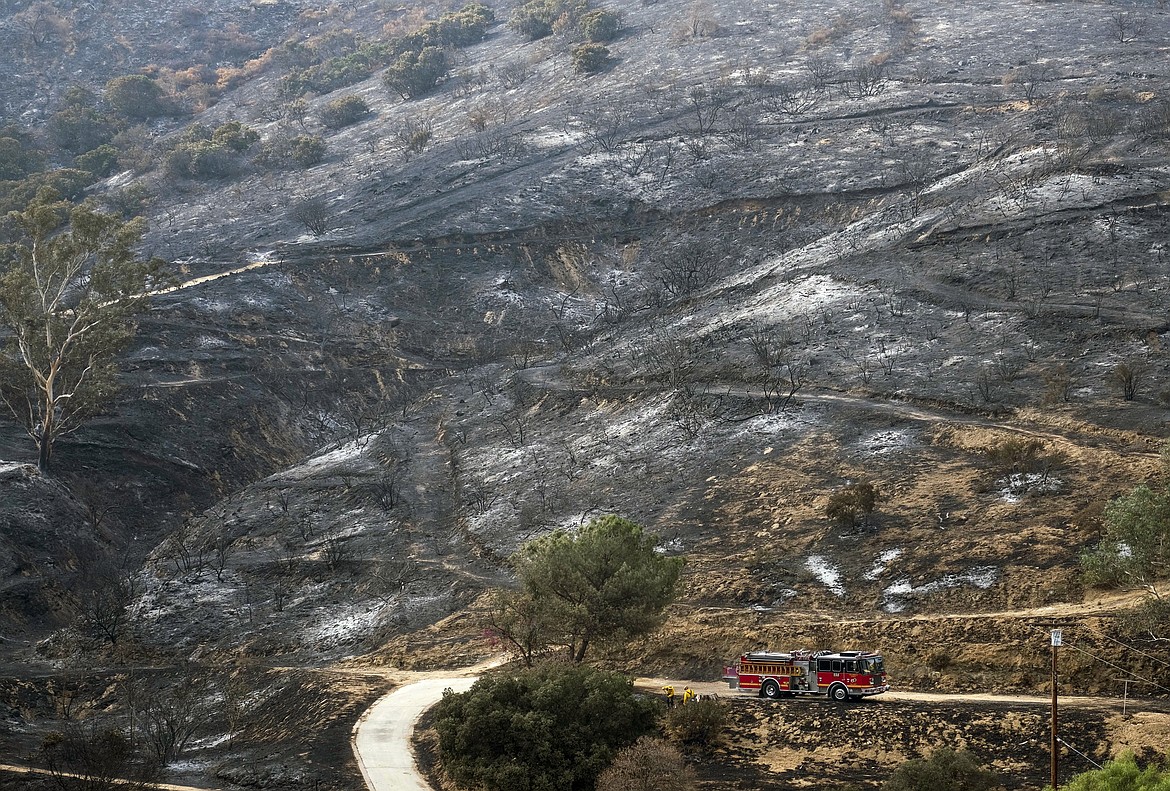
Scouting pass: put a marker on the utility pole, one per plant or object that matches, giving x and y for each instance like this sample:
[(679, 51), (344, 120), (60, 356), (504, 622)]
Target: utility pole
[(1056, 643)]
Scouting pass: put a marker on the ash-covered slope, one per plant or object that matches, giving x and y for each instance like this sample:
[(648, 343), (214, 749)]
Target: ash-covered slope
[(766, 253)]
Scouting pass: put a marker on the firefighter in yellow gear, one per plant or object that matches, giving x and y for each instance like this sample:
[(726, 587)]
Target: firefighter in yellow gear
[(688, 695), (669, 690)]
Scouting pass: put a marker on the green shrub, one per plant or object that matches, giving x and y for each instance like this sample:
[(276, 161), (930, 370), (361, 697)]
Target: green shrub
[(417, 73), (536, 18), (354, 64), (207, 154), (1122, 774), (101, 161), (600, 26), (944, 770), (17, 157), (698, 724), (204, 160), (68, 183), (459, 28), (344, 111), (235, 136), (307, 150), (78, 129), (590, 58), (554, 726), (137, 97)]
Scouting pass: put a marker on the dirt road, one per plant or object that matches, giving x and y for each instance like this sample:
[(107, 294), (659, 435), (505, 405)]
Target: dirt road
[(382, 738)]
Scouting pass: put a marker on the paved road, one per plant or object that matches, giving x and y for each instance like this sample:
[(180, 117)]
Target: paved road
[(381, 738)]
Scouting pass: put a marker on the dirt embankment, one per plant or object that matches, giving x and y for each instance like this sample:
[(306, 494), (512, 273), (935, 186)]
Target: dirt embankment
[(814, 744)]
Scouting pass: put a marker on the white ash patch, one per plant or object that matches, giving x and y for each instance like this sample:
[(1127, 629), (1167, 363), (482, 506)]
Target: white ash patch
[(340, 626), (788, 420), (350, 451), (166, 598), (210, 305), (546, 137), (882, 563), (208, 342), (883, 443), (826, 573), (894, 597), (1015, 486), (147, 353), (780, 302), (261, 257)]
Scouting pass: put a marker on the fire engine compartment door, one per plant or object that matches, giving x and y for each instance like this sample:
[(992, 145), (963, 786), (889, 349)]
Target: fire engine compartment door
[(828, 671)]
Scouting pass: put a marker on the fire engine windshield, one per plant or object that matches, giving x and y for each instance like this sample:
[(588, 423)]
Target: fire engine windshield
[(874, 664)]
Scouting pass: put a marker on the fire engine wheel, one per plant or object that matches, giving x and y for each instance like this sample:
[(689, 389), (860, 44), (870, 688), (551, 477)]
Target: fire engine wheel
[(770, 689), (839, 693)]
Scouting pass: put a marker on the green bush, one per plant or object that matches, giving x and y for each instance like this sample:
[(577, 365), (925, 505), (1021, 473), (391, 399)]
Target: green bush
[(101, 161), (307, 150), (1122, 774), (590, 58), (202, 160), (78, 129), (600, 26), (68, 183), (944, 770), (206, 154), (417, 73), (536, 18), (344, 111), (340, 71), (356, 63), (459, 28), (556, 726), (137, 97), (697, 725), (235, 136), (17, 157)]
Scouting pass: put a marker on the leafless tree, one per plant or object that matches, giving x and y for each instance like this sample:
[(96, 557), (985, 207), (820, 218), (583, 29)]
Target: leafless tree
[(513, 73), (707, 103), (173, 715), (1030, 80), (866, 79), (1058, 383), (221, 551), (689, 265), (43, 23), (607, 125), (334, 550), (1127, 26), (822, 72), (794, 98), (186, 551), (917, 171), (413, 135), (1128, 376), (314, 214), (515, 425), (96, 755)]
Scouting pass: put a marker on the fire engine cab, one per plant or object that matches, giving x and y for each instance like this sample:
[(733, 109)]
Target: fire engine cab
[(839, 674)]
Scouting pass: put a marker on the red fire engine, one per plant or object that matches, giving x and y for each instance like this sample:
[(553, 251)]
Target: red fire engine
[(839, 674)]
